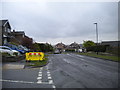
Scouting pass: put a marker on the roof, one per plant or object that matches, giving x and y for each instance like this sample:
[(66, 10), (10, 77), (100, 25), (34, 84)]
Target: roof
[(3, 22), (111, 43), (19, 32), (74, 44), (60, 44), (81, 45)]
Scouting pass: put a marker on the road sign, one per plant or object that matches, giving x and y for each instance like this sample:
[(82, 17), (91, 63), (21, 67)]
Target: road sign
[(32, 56)]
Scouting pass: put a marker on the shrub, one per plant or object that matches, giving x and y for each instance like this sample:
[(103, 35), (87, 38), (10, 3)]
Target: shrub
[(98, 48), (70, 50), (113, 50)]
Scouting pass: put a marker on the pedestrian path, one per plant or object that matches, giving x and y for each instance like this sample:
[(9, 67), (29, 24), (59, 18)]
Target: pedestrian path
[(13, 65)]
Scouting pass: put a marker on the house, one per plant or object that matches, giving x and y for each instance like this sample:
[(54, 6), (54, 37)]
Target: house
[(81, 46), (0, 33), (60, 46), (74, 46), (113, 47), (17, 36), (111, 43), (27, 41), (5, 30)]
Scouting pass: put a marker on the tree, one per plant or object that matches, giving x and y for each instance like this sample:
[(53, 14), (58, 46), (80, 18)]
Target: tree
[(36, 47), (45, 47), (28, 42), (88, 43)]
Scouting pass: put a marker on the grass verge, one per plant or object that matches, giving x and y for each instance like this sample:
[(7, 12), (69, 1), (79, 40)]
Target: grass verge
[(113, 58)]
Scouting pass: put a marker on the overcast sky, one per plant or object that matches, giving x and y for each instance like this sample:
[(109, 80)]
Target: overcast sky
[(65, 22)]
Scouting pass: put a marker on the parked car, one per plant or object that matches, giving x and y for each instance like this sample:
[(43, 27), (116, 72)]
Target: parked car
[(5, 49), (57, 52), (80, 50), (23, 48), (18, 49), (14, 47)]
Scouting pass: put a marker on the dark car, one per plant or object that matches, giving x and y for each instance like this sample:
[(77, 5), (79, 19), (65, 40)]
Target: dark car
[(14, 47)]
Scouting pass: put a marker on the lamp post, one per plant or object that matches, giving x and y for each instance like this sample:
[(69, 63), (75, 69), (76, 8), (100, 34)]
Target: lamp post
[(96, 34)]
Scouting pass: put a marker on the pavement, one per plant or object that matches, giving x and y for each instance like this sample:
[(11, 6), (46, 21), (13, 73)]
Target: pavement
[(13, 65), (65, 71)]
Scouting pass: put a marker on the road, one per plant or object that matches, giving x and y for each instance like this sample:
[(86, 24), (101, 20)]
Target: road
[(65, 71)]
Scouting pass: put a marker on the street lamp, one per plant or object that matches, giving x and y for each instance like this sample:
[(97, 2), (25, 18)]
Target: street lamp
[(96, 35)]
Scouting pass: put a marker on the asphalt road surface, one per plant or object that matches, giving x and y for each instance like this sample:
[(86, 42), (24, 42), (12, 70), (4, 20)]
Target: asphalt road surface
[(65, 71)]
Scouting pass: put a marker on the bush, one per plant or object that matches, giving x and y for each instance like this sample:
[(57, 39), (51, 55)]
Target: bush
[(113, 50), (98, 48), (70, 50), (13, 43)]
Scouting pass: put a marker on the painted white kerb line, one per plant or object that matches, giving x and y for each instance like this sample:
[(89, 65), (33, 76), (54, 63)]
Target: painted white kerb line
[(39, 78)]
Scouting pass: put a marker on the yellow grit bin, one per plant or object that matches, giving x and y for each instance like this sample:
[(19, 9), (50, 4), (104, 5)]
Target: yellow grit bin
[(32, 56)]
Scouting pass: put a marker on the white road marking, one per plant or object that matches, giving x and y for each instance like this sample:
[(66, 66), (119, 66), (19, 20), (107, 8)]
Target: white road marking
[(49, 77), (66, 60), (68, 54), (82, 59), (48, 72), (40, 75), (40, 72), (80, 56), (39, 78), (27, 82), (39, 81), (53, 86), (15, 81), (50, 81)]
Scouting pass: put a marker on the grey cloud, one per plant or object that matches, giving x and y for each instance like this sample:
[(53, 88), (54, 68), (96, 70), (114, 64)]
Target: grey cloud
[(63, 20)]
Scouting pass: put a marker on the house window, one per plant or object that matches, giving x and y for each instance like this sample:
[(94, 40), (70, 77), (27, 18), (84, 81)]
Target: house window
[(5, 29), (8, 30)]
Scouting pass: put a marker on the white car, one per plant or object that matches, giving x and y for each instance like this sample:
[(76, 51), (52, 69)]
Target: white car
[(56, 52), (9, 51)]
